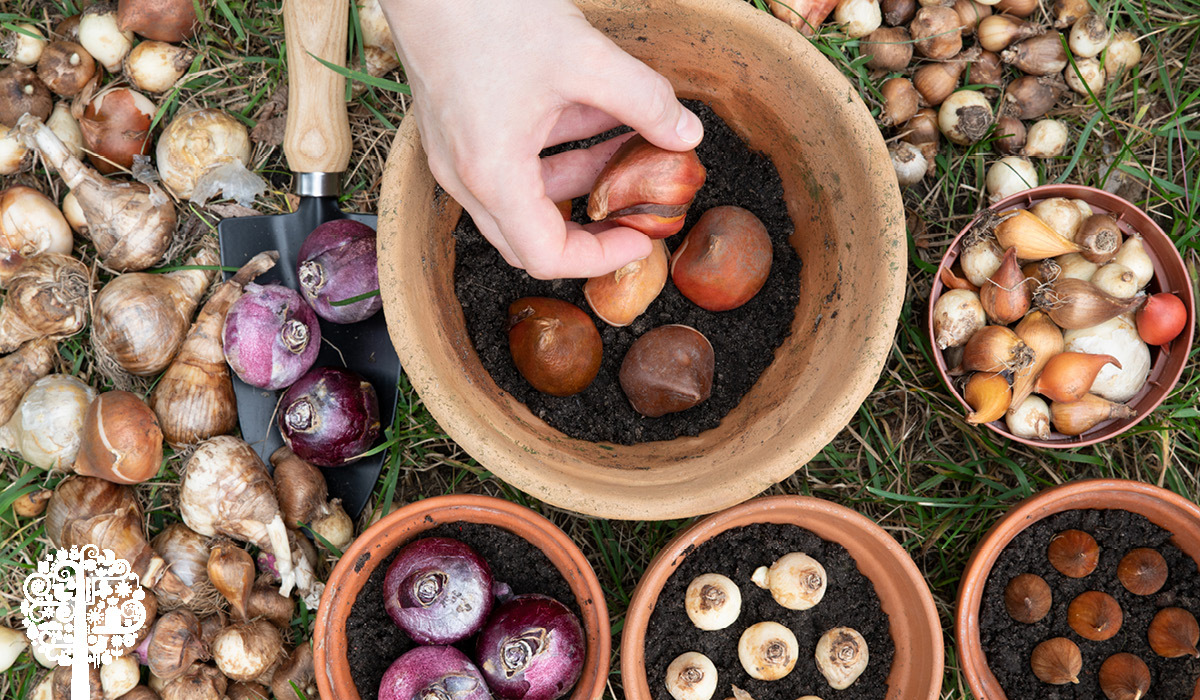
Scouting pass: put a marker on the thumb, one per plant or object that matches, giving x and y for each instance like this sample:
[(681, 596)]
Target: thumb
[(631, 91)]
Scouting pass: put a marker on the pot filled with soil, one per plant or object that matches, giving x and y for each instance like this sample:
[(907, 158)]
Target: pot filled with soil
[(1086, 590), (789, 142), (464, 595), (779, 598)]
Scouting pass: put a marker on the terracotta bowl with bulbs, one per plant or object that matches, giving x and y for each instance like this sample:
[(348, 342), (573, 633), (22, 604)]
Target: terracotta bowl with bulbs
[(916, 631), (1166, 509), (1170, 275), (378, 542), (783, 98)]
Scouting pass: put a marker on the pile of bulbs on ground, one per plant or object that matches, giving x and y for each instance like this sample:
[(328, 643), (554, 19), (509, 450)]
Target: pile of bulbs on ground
[(142, 326), (768, 651), (927, 103)]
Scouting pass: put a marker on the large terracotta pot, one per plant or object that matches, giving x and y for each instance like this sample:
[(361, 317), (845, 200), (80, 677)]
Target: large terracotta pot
[(1165, 509), (781, 96), (381, 539), (1170, 275), (912, 618)]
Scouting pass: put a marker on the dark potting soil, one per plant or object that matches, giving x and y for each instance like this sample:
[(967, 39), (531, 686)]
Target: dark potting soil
[(1008, 644), (373, 641), (849, 601), (744, 339)]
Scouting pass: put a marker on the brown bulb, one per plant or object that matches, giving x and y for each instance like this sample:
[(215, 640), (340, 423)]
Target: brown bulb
[(1173, 633), (554, 345), (646, 188), (668, 369), (1027, 598), (1142, 571), (724, 260), (1056, 661), (1095, 615), (1124, 677), (1074, 553), (1010, 133)]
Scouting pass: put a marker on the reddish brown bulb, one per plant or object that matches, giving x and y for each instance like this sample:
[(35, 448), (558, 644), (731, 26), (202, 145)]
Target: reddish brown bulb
[(1095, 615), (1173, 633), (1124, 677), (1074, 553), (1057, 661), (724, 260), (646, 188), (1142, 571), (1027, 598), (668, 369), (554, 345)]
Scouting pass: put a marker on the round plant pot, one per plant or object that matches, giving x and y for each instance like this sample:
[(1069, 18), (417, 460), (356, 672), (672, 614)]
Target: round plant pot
[(1170, 275), (916, 632), (782, 98), (1168, 510), (378, 542)]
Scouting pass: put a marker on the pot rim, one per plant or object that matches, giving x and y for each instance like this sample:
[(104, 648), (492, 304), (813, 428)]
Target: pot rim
[(1150, 231), (575, 474), (774, 509), (1083, 494), (351, 572)]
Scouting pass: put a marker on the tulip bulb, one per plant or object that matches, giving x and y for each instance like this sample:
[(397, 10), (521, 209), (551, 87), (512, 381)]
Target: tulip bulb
[(1057, 661), (622, 295), (724, 259), (1174, 633), (66, 68), (162, 20), (1005, 296), (1030, 96), (1031, 237), (1095, 615), (936, 81), (691, 676), (646, 188), (1078, 417), (1073, 553), (1076, 304), (804, 16), (996, 349), (768, 651), (231, 570), (554, 345), (1142, 571), (796, 581), (1124, 676), (900, 101), (998, 32), (121, 441), (1027, 598), (1044, 340), (841, 656), (667, 370), (712, 602), (1040, 55), (898, 12), (1069, 375), (21, 92)]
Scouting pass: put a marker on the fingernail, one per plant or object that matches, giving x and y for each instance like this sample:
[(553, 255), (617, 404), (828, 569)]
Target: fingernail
[(689, 127)]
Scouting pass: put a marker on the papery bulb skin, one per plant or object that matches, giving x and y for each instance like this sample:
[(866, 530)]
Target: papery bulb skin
[(271, 336), (438, 590), (646, 188), (531, 649)]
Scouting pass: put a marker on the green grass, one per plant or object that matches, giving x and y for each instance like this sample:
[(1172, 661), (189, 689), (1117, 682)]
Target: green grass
[(907, 459)]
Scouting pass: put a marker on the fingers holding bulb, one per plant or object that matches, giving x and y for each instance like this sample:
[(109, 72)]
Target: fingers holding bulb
[(713, 602)]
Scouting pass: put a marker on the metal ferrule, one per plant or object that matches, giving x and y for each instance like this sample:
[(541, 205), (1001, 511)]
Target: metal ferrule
[(318, 184)]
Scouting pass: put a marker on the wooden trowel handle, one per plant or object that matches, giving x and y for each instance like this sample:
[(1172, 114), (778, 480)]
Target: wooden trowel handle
[(317, 138)]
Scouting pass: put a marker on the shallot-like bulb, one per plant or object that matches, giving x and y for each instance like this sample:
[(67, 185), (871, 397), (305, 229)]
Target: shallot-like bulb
[(30, 224)]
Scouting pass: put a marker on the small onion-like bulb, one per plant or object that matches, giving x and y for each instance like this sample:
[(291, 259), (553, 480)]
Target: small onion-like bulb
[(858, 17), (713, 601), (1030, 419), (100, 34), (1089, 36), (155, 66), (1046, 139), (965, 117), (796, 580), (691, 676), (1008, 176), (1123, 53), (1142, 571), (1074, 553), (1057, 661), (841, 656), (24, 44), (957, 314), (768, 651), (1087, 76), (908, 162)]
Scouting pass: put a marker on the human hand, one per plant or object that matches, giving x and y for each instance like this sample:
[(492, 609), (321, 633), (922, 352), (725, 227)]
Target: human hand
[(495, 83)]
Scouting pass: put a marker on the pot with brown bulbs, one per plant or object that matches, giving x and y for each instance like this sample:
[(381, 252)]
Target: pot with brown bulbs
[(688, 630), (1062, 323), (1089, 583)]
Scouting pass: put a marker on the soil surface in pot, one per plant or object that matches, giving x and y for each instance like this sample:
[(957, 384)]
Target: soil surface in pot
[(1008, 644), (744, 339), (373, 641), (849, 601)]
